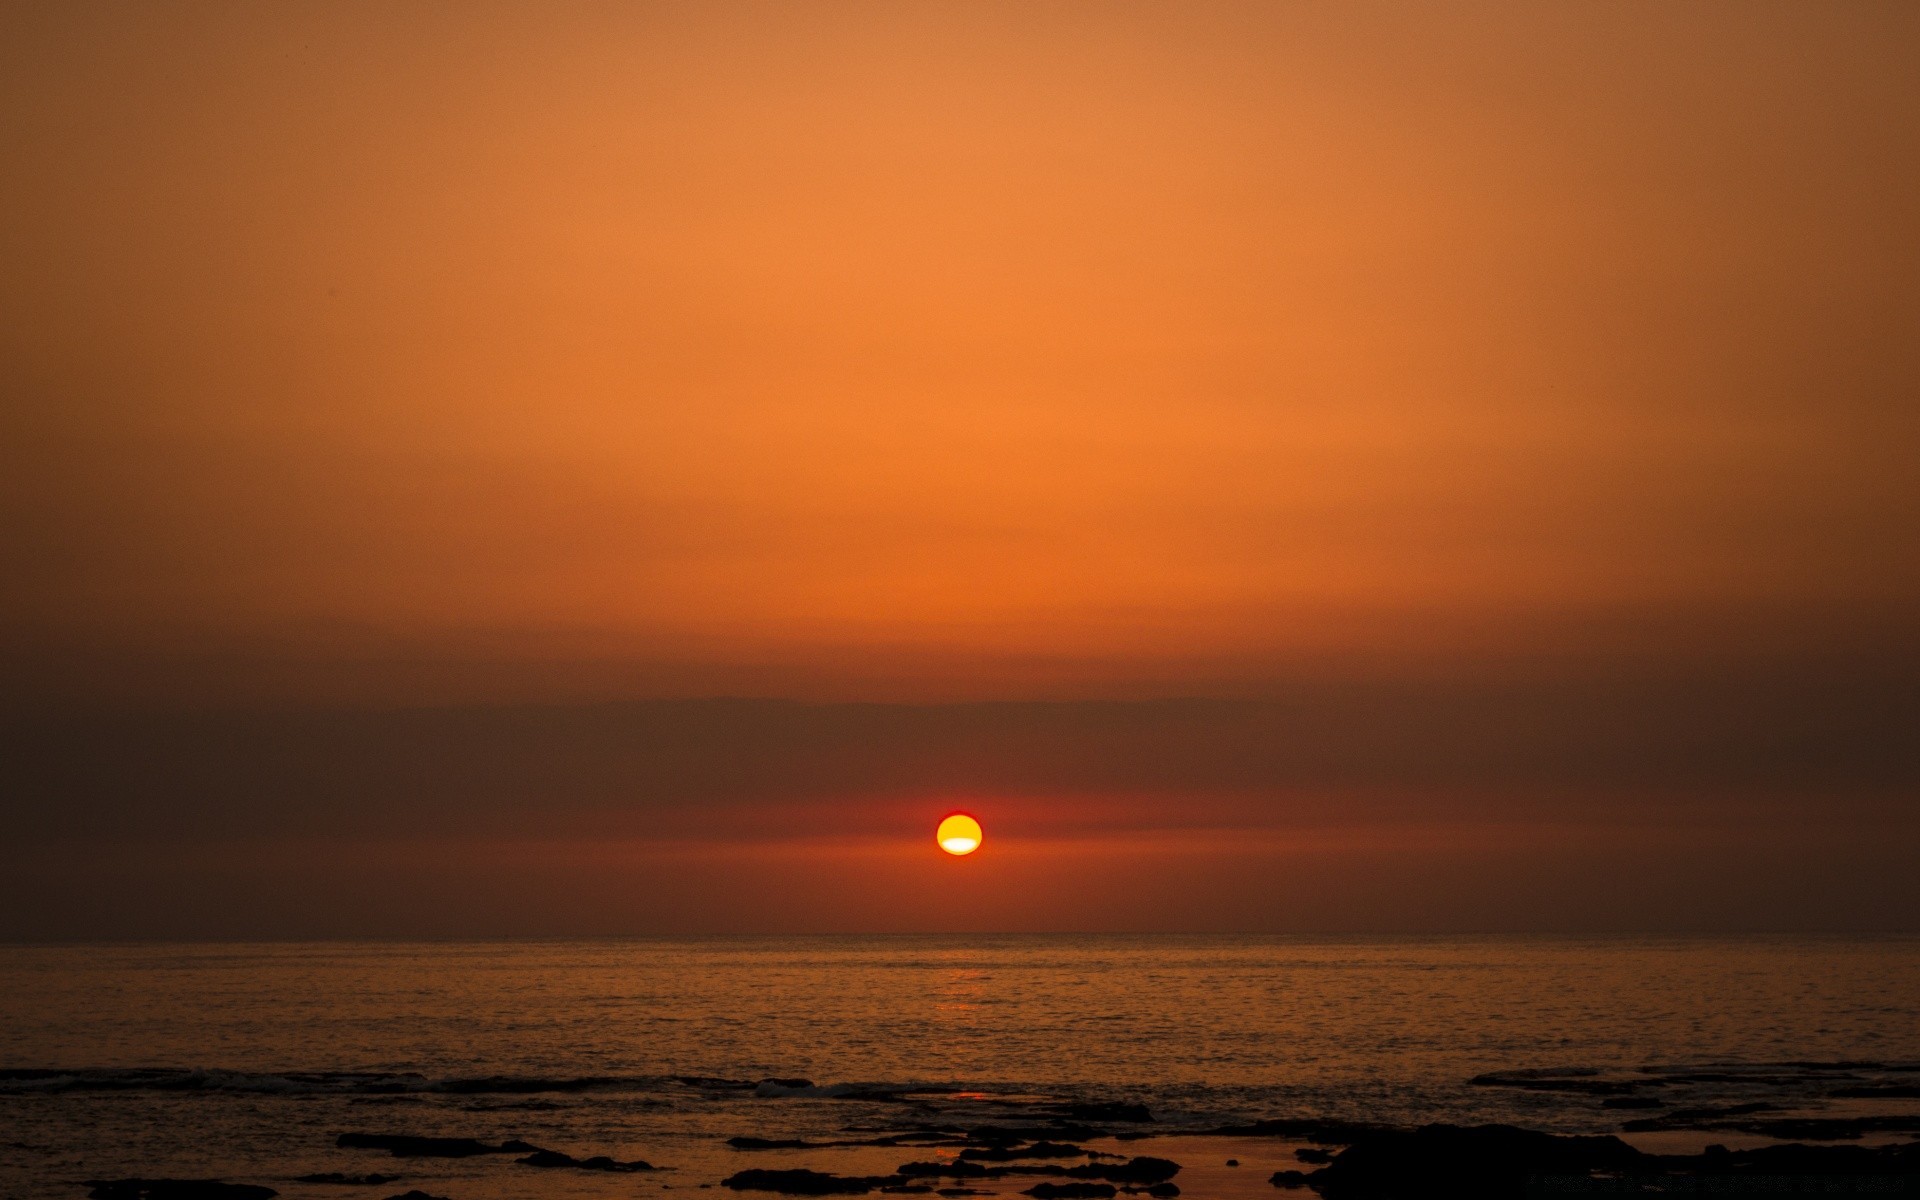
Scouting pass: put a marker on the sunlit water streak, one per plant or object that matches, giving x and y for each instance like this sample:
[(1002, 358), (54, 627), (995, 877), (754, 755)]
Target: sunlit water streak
[(273, 1050)]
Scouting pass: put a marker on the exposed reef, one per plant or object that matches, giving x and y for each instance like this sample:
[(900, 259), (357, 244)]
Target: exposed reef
[(1497, 1161), (599, 1162), (799, 1182), (1094, 1179), (404, 1145)]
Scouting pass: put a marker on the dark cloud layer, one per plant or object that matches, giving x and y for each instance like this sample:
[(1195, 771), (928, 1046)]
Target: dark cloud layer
[(1743, 800), (1456, 749)]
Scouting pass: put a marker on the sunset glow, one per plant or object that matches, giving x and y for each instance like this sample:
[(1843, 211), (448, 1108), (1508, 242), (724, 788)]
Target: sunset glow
[(1358, 446), (959, 834)]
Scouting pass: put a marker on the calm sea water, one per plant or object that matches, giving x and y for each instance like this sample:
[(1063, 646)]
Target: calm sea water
[(245, 1062)]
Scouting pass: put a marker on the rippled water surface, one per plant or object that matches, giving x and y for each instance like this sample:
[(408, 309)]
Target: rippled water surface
[(245, 1062)]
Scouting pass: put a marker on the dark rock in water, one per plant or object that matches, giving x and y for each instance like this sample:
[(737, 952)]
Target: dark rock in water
[(402, 1145), (1164, 1191), (348, 1180), (1823, 1162), (948, 1170), (1071, 1191), (962, 1192), (908, 1189), (599, 1162), (176, 1189), (547, 1158), (713, 1084), (1134, 1172), (1042, 1149), (807, 1183), (1142, 1170), (996, 1135), (1483, 1162), (1747, 1118), (1496, 1162), (1108, 1111), (1312, 1154), (916, 1140), (789, 1083), (416, 1194), (1633, 1102)]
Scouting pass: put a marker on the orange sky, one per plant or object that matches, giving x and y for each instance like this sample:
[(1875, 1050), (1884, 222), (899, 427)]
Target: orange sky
[(376, 355)]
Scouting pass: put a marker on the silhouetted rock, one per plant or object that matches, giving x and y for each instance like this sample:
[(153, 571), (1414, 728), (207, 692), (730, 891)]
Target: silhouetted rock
[(402, 1145), (991, 1135), (1042, 1149), (949, 1170), (416, 1194), (1483, 1162), (1492, 1162), (176, 1189), (1142, 1170), (754, 1143), (348, 1180), (807, 1183), (1819, 1161), (599, 1162), (1071, 1191), (1164, 1191), (1313, 1154), (1053, 1128)]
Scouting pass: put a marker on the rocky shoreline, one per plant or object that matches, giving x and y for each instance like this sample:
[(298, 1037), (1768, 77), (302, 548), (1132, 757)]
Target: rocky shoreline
[(1343, 1160)]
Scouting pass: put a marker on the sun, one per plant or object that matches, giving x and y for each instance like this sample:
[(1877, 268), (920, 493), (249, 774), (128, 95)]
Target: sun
[(958, 834)]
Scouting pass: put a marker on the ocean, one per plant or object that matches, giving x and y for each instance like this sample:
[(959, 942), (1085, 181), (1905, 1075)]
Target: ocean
[(248, 1062)]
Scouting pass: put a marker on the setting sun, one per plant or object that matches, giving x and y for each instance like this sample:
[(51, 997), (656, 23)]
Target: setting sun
[(959, 834)]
